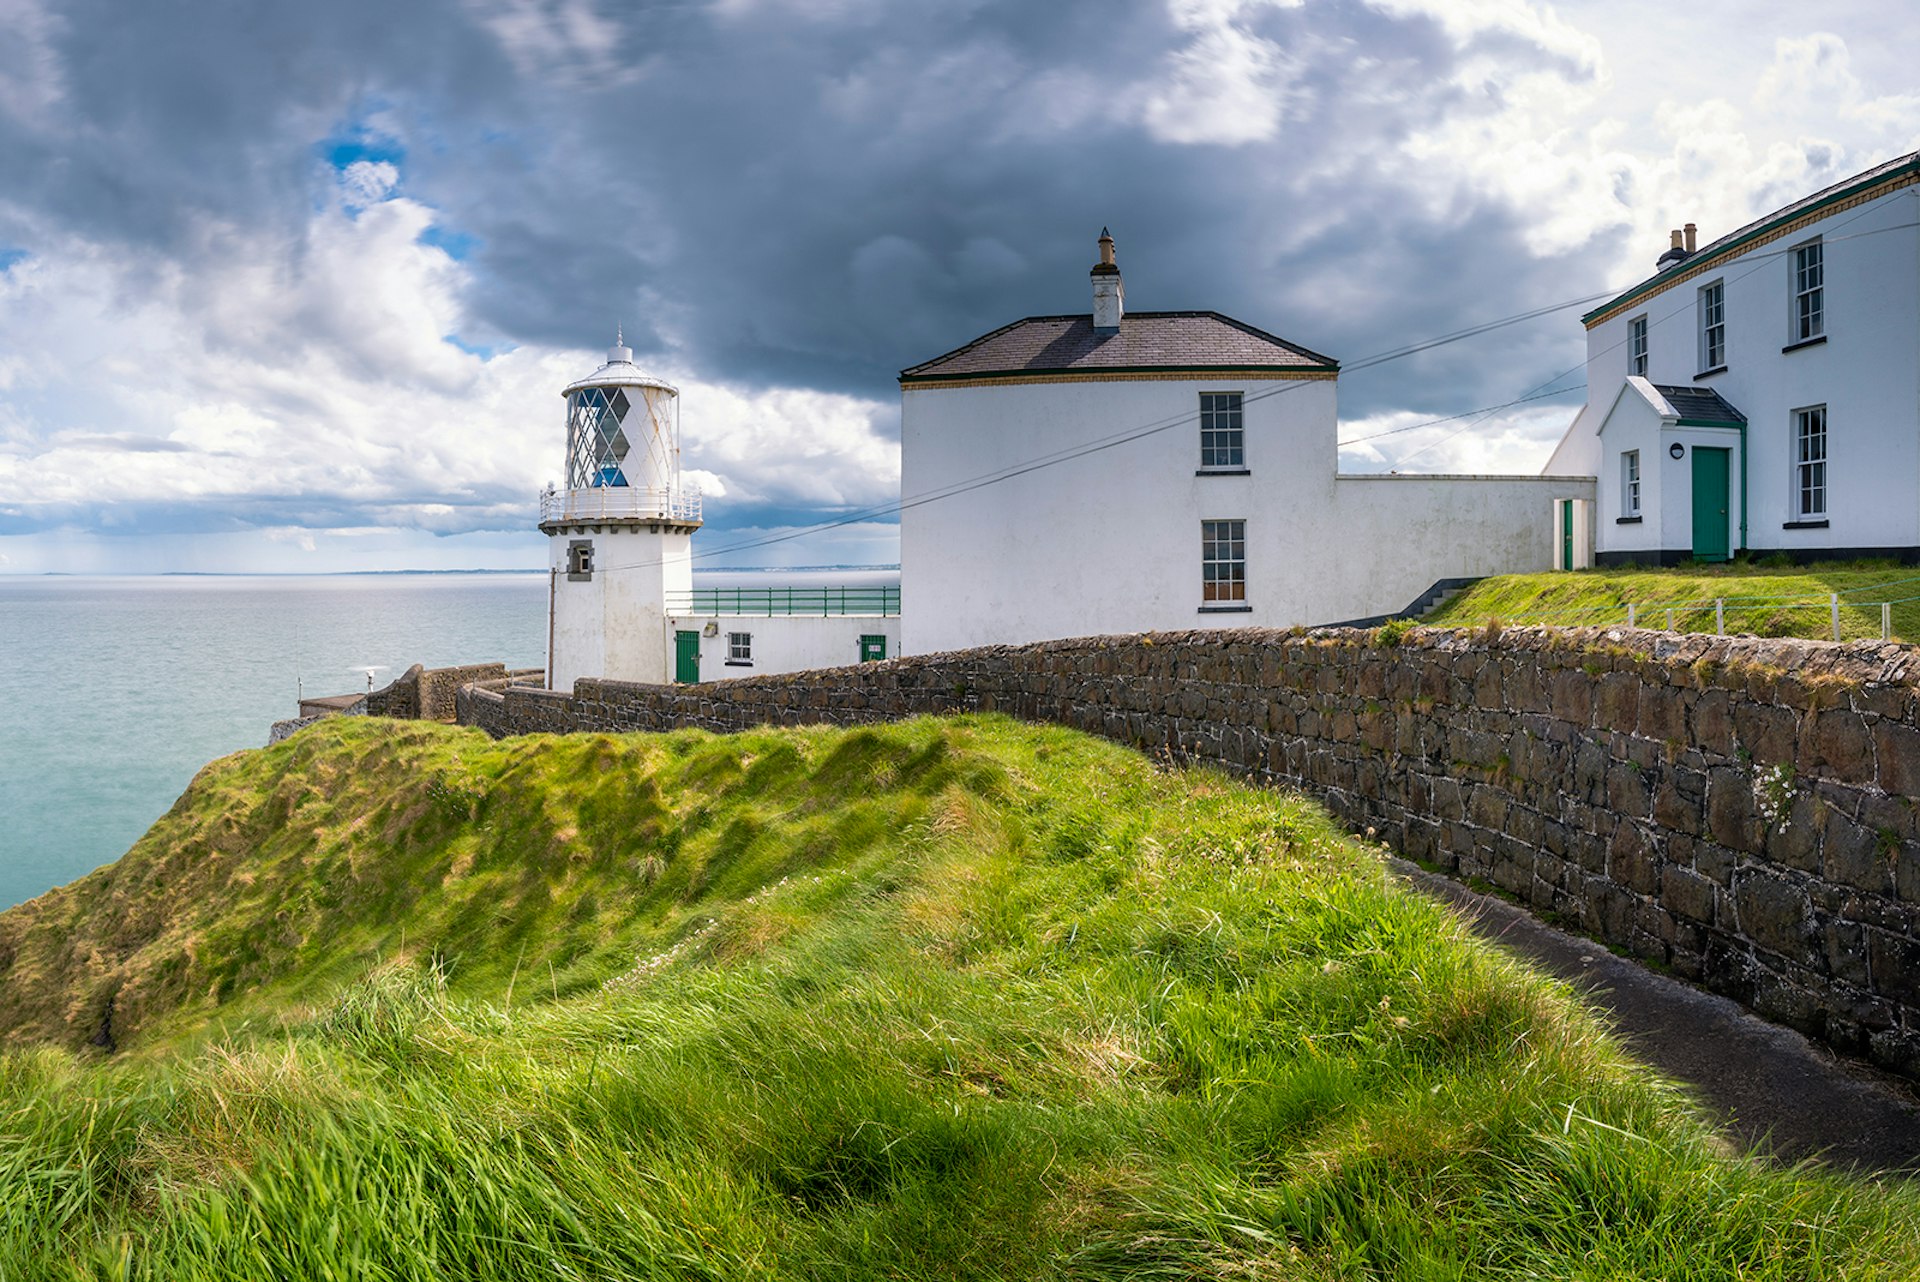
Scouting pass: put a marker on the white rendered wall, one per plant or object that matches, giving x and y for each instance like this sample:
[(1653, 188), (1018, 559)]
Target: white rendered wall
[(781, 642), (610, 625), (1867, 374), (1398, 535), (1110, 541)]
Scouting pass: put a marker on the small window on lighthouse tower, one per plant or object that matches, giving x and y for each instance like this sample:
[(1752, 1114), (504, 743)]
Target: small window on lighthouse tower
[(580, 559)]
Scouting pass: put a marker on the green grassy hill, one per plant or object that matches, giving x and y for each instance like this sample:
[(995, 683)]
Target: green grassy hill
[(1762, 600), (946, 999)]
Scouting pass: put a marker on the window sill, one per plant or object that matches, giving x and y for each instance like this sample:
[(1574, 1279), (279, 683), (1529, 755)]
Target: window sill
[(1815, 341), (739, 663), (1226, 609), (1222, 471), (1626, 520), (1805, 525), (1709, 373)]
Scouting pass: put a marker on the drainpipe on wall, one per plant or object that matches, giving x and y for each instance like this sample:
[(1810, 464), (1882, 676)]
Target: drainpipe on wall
[(1743, 487)]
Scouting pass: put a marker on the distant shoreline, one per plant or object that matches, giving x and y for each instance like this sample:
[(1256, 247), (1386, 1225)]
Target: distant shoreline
[(338, 574)]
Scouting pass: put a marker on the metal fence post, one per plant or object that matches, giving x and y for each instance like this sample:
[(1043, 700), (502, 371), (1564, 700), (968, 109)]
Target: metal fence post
[(1669, 620), (1719, 616), (1631, 608), (1836, 616), (1886, 620)]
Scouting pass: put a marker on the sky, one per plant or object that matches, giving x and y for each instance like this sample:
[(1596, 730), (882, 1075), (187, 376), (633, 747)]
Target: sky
[(294, 287)]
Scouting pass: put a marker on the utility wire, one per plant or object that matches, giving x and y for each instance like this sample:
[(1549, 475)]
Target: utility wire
[(1101, 444), (1140, 432), (1758, 260)]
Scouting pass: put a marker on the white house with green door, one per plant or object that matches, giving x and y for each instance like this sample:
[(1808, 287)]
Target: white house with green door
[(1762, 391), (622, 603)]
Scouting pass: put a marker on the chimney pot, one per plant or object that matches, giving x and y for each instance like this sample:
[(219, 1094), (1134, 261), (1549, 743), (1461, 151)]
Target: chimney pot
[(1690, 235), (1679, 239)]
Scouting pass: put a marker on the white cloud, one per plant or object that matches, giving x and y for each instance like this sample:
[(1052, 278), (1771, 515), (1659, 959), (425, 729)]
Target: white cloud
[(570, 41), (366, 182), (1226, 86), (32, 84), (1513, 442), (284, 380)]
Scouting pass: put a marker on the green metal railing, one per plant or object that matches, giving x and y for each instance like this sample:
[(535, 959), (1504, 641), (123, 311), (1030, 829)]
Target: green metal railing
[(875, 599)]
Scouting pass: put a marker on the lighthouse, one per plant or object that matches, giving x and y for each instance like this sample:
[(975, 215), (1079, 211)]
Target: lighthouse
[(620, 535)]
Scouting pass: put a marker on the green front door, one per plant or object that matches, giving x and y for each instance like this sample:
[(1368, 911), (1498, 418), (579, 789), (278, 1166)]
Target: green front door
[(1710, 539), (686, 657), (872, 648), (1566, 534)]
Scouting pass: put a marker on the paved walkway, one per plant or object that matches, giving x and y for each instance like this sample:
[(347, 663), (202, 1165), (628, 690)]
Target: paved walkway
[(1766, 1086)]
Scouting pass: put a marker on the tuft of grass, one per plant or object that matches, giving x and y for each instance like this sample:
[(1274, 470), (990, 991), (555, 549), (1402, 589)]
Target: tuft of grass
[(1391, 633), (1768, 598), (947, 999)]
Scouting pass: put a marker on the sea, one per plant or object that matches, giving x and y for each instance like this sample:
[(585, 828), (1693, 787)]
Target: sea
[(115, 691)]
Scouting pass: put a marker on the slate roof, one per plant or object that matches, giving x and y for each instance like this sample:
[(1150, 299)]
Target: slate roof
[(1701, 405), (1735, 239), (1148, 342)]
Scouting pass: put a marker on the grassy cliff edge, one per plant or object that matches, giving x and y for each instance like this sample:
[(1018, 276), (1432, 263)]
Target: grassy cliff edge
[(963, 999)]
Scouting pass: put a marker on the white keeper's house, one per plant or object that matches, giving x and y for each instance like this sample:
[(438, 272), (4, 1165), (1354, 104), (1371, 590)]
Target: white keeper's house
[(1120, 471), (1762, 392), (621, 598)]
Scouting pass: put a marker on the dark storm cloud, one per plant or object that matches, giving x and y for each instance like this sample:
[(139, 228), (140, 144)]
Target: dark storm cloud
[(822, 203), (817, 201)]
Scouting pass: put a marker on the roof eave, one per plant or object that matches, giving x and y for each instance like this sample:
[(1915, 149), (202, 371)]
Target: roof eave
[(1732, 248), (1097, 370)]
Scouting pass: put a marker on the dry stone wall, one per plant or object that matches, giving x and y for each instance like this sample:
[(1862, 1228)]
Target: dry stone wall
[(1740, 810), (429, 694)]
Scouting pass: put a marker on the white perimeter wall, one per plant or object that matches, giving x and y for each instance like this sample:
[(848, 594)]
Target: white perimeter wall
[(1867, 374), (1399, 534), (781, 642), (1110, 541)]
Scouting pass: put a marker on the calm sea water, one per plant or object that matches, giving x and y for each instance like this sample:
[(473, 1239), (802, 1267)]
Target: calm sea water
[(114, 691)]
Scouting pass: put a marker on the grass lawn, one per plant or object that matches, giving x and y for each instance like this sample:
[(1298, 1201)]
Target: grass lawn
[(943, 999), (1765, 601)]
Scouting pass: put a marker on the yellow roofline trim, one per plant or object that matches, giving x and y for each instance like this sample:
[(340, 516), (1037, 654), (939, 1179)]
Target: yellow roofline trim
[(1766, 236), (1122, 376)]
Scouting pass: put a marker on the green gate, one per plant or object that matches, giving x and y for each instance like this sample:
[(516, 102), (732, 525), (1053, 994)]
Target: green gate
[(686, 657), (1711, 541)]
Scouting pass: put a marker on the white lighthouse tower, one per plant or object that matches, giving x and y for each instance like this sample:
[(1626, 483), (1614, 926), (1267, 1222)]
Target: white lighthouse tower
[(620, 536)]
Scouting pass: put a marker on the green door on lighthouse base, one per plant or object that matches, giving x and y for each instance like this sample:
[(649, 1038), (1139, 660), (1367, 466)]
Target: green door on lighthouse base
[(1710, 493), (686, 657)]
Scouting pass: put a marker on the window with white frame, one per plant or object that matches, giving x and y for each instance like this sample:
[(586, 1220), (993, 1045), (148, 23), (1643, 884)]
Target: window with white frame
[(1809, 291), (1637, 346), (1222, 438), (1810, 463), (1630, 483), (1223, 561), (1713, 326), (739, 647)]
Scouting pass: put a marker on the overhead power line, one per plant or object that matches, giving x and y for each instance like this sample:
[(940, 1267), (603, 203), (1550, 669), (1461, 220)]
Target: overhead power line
[(1085, 449)]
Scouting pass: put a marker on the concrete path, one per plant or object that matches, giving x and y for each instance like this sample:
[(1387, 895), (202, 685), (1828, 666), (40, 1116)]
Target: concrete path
[(1766, 1086)]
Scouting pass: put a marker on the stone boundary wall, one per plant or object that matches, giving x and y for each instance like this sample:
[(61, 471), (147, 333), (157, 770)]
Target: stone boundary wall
[(429, 694), (1740, 810)]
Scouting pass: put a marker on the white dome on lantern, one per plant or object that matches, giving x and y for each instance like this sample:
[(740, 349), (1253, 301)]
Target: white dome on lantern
[(620, 371)]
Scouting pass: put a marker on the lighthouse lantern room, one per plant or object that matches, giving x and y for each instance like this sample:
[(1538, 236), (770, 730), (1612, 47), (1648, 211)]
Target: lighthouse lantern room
[(619, 537)]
